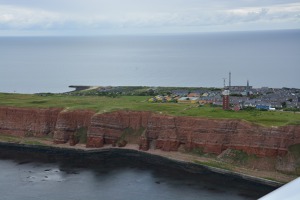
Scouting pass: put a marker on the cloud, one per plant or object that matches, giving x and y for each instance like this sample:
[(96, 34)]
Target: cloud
[(12, 17), (203, 15)]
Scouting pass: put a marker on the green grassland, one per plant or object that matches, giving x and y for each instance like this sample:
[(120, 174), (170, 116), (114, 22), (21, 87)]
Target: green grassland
[(23, 140), (140, 103)]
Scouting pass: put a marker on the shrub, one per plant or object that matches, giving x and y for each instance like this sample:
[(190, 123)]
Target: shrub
[(81, 135)]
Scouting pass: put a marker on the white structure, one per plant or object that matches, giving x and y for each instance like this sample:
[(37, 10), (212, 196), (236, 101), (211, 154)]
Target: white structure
[(289, 191)]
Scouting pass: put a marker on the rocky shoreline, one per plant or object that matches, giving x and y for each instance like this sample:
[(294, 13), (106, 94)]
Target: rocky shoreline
[(132, 154)]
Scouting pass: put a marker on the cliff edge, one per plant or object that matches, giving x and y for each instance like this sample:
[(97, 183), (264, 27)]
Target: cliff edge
[(154, 131)]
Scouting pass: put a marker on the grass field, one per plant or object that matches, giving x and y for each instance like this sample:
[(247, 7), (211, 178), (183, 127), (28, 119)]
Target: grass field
[(107, 104)]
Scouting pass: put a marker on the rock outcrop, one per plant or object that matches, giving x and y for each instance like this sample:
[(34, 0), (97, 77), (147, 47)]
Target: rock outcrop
[(68, 122), (213, 136), (167, 133), (108, 128), (28, 121)]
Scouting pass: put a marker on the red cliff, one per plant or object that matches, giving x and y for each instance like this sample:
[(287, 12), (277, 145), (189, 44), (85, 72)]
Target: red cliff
[(68, 122), (213, 136), (163, 132), (28, 121), (108, 128)]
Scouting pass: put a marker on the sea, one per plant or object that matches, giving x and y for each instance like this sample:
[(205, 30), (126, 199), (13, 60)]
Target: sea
[(52, 63), (34, 175)]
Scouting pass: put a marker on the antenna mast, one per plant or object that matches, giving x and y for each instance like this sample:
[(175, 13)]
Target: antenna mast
[(224, 79), (229, 79)]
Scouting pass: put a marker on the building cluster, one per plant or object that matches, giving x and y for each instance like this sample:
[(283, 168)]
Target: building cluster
[(268, 98), (238, 97)]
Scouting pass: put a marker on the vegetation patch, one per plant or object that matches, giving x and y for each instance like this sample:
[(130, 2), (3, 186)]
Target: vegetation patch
[(215, 164), (32, 142), (80, 135), (29, 134), (273, 179), (22, 140), (237, 157), (294, 122), (295, 151), (10, 138), (131, 135), (140, 103), (38, 102), (197, 151)]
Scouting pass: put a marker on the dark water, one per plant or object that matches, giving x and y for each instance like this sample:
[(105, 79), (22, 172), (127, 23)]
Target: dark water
[(28, 175), (51, 64)]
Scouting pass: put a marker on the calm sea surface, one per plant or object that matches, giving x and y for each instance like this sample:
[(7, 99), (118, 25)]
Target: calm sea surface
[(30, 176), (51, 64)]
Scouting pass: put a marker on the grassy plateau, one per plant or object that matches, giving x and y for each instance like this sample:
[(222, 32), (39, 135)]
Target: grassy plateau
[(140, 103)]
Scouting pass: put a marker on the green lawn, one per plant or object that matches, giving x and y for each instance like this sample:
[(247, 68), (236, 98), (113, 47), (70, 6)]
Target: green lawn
[(107, 104)]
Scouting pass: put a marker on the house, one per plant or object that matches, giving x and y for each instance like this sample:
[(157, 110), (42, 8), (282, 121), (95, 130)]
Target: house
[(194, 100), (218, 103), (180, 92), (263, 106), (193, 94), (237, 107), (250, 103), (205, 94), (206, 100), (276, 105), (188, 100)]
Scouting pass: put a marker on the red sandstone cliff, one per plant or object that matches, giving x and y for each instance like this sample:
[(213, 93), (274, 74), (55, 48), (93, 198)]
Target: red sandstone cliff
[(163, 132), (68, 122), (27, 121), (214, 136), (108, 127)]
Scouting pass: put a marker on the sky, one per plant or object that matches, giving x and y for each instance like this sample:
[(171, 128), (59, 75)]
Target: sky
[(94, 17)]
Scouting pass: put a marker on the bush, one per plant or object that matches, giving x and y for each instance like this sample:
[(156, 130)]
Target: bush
[(198, 151), (81, 135), (292, 109)]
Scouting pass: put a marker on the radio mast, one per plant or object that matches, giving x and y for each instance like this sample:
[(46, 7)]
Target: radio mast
[(224, 79), (229, 79)]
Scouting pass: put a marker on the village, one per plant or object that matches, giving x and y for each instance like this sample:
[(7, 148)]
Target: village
[(240, 97)]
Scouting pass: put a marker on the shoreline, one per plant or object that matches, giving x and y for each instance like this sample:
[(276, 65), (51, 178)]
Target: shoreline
[(152, 156)]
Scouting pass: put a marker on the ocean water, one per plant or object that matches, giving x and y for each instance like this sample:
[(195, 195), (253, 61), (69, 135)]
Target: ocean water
[(30, 176), (51, 64)]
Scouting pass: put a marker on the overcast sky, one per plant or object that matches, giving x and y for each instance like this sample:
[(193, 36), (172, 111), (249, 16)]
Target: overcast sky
[(145, 16)]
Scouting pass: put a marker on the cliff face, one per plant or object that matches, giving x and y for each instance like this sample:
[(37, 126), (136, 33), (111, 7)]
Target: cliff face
[(68, 122), (108, 128), (167, 133), (27, 122), (213, 136)]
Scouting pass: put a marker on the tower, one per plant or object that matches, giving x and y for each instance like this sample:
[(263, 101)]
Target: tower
[(248, 88), (229, 79), (224, 81), (225, 99)]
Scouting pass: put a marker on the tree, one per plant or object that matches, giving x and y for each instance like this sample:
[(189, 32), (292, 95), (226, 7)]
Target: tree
[(151, 92)]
